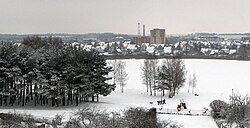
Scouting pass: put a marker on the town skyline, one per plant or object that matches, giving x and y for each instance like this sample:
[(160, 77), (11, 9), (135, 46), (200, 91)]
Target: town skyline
[(95, 16)]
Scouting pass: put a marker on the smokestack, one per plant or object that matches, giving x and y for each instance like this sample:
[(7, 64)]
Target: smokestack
[(143, 30), (139, 33)]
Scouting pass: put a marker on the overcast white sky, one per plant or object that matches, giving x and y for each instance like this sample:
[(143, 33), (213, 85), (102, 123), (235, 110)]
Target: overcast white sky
[(122, 16)]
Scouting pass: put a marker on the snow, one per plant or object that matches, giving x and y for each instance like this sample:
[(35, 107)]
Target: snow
[(232, 51), (191, 121), (150, 49), (167, 49), (216, 79), (131, 46)]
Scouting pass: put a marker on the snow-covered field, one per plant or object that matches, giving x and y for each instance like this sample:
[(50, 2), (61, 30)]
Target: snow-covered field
[(215, 80)]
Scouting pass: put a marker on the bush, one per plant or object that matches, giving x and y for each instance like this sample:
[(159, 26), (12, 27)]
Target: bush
[(218, 108), (131, 118)]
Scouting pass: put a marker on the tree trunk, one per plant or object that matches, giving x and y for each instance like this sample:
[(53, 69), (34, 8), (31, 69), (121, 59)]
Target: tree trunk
[(1, 96), (154, 88), (31, 91), (150, 87), (93, 98), (188, 88), (122, 88), (1, 101), (77, 97), (63, 100), (71, 97), (97, 96), (23, 94)]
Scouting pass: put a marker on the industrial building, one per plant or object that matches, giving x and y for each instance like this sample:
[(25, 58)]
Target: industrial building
[(157, 36), (141, 39)]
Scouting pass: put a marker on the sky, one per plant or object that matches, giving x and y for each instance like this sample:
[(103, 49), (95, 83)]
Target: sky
[(122, 16)]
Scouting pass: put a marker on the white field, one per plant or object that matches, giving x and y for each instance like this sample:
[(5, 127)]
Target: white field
[(215, 80)]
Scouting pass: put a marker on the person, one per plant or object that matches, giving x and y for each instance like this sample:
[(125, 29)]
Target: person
[(161, 107), (164, 102), (179, 108)]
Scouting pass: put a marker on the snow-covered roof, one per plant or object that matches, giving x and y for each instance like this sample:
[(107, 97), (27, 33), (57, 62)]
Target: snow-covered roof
[(87, 47), (157, 45), (232, 51), (150, 49), (102, 43), (146, 44), (119, 50), (17, 44), (126, 43), (246, 42), (213, 51), (119, 37), (75, 43), (225, 50), (204, 50), (167, 49), (131, 46), (106, 53)]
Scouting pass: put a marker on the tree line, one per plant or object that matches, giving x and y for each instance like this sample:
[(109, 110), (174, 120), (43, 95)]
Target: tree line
[(49, 71)]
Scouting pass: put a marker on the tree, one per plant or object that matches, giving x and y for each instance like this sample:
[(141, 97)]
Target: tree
[(114, 72), (190, 82), (171, 75), (122, 76), (140, 118), (44, 71), (154, 75), (244, 51), (145, 73), (239, 111), (149, 74), (130, 118), (219, 109), (194, 83), (164, 80)]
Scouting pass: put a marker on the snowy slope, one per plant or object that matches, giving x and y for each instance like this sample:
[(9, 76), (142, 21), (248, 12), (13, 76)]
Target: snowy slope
[(215, 80)]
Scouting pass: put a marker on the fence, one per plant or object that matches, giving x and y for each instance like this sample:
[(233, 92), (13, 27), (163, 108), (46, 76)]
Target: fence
[(191, 112)]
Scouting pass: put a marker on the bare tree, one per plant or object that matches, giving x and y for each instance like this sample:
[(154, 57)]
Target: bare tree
[(153, 66), (113, 64), (121, 76), (190, 82), (145, 73), (89, 117), (194, 82), (149, 74), (239, 111)]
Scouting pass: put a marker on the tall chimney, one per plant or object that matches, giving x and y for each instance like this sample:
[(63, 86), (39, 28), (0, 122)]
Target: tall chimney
[(143, 30)]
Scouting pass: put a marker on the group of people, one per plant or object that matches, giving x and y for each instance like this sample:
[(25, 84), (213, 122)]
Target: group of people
[(181, 105), (161, 102)]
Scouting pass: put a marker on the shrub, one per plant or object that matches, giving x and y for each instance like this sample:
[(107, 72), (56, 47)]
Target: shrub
[(218, 108)]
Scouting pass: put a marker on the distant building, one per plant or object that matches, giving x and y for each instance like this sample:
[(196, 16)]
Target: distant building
[(211, 38), (157, 36), (137, 40)]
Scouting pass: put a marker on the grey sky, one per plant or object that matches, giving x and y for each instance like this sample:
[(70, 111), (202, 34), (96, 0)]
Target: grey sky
[(122, 16)]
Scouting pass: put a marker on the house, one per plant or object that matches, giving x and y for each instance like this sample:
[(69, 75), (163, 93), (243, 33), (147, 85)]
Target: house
[(150, 49), (167, 50)]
